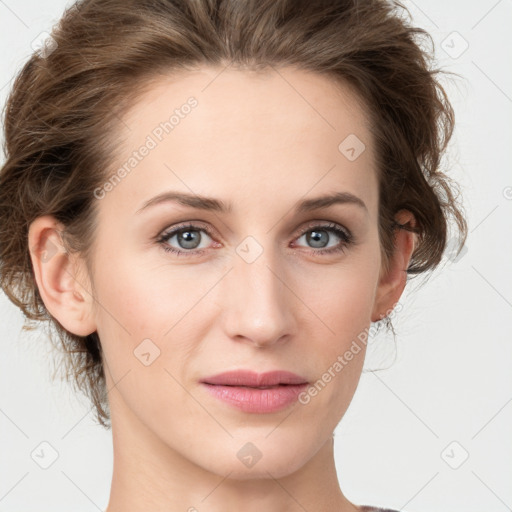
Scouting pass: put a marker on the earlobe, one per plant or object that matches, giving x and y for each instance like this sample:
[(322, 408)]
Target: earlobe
[(392, 283), (58, 279)]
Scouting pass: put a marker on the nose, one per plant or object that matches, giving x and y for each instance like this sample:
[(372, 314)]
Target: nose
[(259, 301)]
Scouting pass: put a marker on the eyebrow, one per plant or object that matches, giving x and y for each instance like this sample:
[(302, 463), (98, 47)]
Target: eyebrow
[(217, 205)]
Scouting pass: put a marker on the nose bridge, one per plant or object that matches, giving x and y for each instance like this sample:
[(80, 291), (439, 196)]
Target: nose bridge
[(259, 300)]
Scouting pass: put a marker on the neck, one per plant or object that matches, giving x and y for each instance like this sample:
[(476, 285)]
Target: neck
[(149, 475)]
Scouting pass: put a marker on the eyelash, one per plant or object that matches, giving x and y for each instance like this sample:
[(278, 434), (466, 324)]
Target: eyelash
[(346, 237)]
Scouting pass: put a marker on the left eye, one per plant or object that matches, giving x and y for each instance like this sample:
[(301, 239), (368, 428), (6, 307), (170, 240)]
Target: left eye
[(319, 236), (189, 238)]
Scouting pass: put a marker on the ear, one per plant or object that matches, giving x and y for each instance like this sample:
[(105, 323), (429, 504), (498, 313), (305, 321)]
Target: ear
[(61, 278), (392, 283)]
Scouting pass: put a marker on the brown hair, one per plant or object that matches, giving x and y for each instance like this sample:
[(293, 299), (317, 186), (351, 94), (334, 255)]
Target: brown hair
[(66, 104)]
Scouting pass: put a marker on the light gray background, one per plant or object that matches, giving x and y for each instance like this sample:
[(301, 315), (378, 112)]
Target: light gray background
[(451, 380)]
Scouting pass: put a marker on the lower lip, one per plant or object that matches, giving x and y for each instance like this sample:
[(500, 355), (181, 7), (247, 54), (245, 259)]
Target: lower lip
[(257, 400)]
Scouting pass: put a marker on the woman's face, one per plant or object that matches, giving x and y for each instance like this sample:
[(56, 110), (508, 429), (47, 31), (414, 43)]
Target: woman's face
[(260, 284)]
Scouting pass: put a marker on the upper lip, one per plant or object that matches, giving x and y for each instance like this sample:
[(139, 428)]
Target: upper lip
[(253, 379)]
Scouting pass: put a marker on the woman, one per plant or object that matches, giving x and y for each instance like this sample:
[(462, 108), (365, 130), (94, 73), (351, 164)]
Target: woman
[(214, 201)]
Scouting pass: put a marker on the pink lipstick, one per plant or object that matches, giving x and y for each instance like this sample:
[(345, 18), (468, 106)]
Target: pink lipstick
[(256, 392)]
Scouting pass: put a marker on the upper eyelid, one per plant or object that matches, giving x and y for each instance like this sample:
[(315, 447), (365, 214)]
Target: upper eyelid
[(327, 224), (182, 226)]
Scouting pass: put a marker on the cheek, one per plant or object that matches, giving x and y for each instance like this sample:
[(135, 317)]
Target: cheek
[(154, 314), (342, 303), (341, 299), (143, 297), (144, 353), (129, 312)]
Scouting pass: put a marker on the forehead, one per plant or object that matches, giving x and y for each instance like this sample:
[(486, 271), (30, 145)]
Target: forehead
[(255, 99), (268, 132)]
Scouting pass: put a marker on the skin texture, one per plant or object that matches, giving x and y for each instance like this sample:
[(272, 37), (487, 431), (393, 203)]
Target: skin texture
[(262, 141)]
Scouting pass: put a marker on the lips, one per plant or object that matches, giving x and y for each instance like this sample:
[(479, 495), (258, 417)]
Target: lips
[(253, 392), (252, 379)]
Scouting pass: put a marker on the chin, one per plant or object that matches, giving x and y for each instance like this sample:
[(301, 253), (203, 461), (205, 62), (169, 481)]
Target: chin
[(275, 467), (260, 459)]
